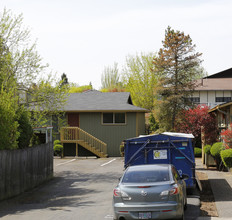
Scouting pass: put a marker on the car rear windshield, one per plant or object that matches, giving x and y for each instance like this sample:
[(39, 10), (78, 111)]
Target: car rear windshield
[(146, 176)]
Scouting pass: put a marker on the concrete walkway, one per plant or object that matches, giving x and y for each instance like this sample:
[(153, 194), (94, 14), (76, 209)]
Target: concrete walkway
[(221, 184)]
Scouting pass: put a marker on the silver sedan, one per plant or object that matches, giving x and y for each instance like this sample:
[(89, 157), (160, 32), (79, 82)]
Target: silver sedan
[(150, 192)]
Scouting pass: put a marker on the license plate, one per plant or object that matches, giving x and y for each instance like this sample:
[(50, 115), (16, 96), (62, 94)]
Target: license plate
[(144, 215)]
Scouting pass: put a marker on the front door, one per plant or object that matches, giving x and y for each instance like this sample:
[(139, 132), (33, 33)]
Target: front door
[(73, 119)]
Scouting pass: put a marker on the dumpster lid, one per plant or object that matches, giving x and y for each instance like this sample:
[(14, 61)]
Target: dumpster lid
[(174, 134), (178, 134)]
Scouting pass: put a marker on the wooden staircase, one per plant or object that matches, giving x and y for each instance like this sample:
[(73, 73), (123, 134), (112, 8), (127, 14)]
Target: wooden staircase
[(86, 140)]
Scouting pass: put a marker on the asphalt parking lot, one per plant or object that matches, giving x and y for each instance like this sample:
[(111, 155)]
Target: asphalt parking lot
[(81, 189)]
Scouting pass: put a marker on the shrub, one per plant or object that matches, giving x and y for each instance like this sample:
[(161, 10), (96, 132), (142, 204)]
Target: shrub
[(121, 149), (56, 142), (216, 149), (58, 149), (197, 152), (207, 148), (191, 121), (215, 152), (226, 156), (227, 137)]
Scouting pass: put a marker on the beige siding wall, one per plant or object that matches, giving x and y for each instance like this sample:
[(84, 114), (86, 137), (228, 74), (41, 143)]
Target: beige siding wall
[(112, 135), (203, 97), (227, 93), (211, 96), (219, 93), (140, 124)]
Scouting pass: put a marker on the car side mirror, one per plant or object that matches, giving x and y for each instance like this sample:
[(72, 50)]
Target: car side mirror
[(184, 176)]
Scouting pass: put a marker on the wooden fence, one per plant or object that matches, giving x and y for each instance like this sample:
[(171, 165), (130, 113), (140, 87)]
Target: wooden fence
[(23, 169)]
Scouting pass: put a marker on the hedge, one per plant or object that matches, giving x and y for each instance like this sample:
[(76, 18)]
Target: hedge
[(58, 149), (226, 156), (121, 149), (197, 152), (216, 149), (56, 142), (206, 149)]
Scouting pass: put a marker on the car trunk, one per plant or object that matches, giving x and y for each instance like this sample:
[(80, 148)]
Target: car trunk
[(146, 194)]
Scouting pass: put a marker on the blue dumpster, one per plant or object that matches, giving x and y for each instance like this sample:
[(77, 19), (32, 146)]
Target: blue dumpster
[(171, 148)]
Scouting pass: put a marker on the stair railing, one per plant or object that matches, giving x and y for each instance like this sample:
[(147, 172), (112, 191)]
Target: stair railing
[(75, 134)]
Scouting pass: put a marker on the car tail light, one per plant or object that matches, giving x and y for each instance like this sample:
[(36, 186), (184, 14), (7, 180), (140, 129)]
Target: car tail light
[(173, 191), (117, 192), (169, 210), (120, 193)]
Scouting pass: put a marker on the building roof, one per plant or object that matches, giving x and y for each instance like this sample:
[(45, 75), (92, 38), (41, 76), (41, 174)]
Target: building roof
[(96, 101), (223, 74), (223, 105), (213, 84)]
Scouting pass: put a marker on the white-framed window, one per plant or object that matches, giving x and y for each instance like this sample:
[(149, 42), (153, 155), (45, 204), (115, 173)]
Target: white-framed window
[(113, 118)]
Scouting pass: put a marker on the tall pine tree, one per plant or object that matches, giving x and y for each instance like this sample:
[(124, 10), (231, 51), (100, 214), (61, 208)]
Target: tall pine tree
[(179, 66)]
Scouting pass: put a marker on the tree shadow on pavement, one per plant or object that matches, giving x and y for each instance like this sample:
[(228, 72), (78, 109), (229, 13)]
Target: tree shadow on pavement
[(66, 190)]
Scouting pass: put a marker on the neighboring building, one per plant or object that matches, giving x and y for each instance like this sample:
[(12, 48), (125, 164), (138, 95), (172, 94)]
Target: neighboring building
[(214, 89), (99, 122), (224, 115)]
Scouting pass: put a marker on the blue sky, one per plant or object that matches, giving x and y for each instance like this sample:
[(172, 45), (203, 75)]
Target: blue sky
[(80, 38)]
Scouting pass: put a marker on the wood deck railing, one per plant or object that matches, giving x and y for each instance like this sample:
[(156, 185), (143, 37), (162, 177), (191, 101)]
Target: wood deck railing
[(76, 134)]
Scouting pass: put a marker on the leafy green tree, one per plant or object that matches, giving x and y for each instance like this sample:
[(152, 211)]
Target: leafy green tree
[(110, 78), (6, 81), (46, 99), (25, 64), (179, 65), (25, 129), (8, 120), (153, 125), (79, 89), (64, 79), (139, 79), (22, 82)]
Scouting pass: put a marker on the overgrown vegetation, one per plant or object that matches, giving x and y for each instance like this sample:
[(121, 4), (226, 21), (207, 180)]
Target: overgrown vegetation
[(23, 86), (8, 120)]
